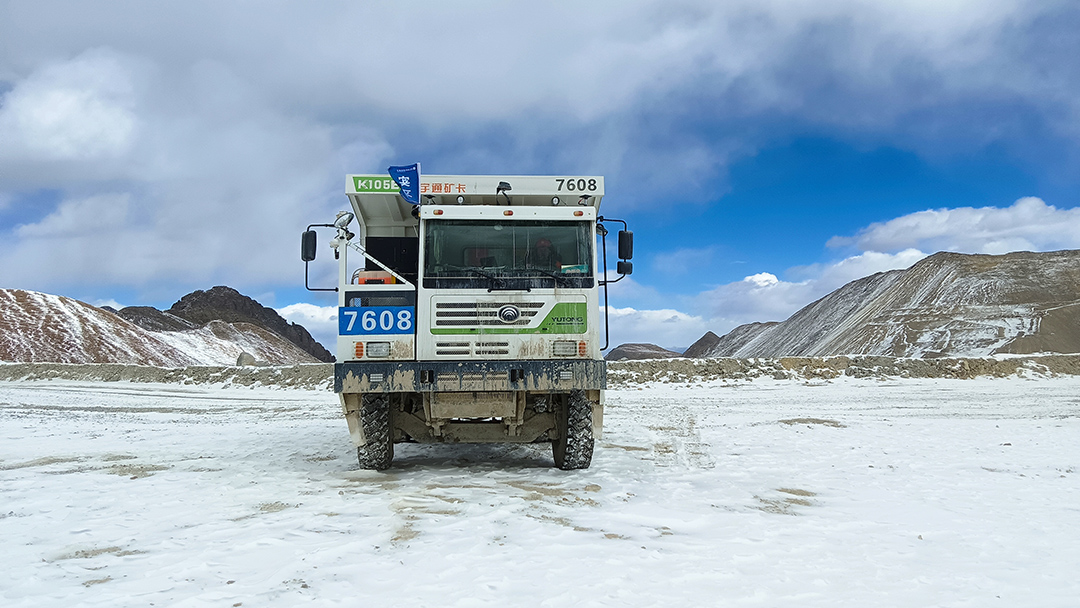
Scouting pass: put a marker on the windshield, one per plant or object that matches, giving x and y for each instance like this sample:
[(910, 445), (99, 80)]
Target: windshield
[(507, 255)]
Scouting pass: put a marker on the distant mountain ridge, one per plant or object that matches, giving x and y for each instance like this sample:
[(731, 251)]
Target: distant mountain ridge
[(947, 304), (639, 351), (37, 328), (223, 303)]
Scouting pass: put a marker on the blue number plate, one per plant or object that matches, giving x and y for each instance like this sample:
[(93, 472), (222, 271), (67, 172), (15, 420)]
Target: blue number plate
[(369, 320)]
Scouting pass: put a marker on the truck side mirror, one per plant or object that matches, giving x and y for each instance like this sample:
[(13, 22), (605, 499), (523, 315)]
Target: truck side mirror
[(625, 267), (626, 245), (307, 246)]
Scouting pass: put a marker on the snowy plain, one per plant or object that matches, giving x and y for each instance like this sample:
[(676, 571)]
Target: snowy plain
[(848, 492)]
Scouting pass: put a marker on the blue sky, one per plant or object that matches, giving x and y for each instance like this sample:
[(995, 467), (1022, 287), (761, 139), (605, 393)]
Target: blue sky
[(764, 152)]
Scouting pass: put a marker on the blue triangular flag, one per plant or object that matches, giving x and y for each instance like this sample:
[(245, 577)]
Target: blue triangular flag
[(407, 177)]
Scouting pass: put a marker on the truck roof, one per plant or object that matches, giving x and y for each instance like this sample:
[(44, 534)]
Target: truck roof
[(382, 211)]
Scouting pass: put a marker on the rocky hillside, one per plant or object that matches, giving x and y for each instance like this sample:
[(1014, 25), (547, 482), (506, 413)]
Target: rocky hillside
[(148, 317), (729, 342), (948, 304), (226, 304), (37, 327)]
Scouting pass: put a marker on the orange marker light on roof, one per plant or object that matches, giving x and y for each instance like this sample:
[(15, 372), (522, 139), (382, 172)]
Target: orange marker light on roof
[(508, 212), (437, 212), (579, 213)]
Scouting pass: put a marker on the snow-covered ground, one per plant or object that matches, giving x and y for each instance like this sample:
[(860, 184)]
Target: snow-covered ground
[(855, 492)]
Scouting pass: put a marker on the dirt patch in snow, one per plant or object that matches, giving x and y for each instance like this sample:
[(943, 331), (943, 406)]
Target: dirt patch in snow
[(810, 421)]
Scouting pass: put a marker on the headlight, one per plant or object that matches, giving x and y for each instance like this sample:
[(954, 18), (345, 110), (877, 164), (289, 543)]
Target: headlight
[(564, 348), (378, 349)]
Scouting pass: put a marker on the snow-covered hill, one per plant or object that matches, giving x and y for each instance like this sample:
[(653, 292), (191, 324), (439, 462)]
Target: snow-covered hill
[(948, 304), (38, 327)]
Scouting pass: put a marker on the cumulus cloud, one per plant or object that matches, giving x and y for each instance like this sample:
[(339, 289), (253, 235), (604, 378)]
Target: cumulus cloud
[(82, 109), (181, 179), (102, 215), (759, 297), (1029, 224), (762, 279), (836, 274), (625, 98), (668, 328)]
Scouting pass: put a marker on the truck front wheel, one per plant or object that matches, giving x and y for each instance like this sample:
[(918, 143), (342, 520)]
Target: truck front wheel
[(378, 452), (574, 447)]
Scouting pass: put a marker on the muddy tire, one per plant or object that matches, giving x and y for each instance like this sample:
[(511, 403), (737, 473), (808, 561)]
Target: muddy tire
[(378, 452), (574, 447)]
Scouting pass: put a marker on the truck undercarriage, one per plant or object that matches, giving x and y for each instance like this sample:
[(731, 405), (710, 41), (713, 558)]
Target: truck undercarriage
[(473, 402)]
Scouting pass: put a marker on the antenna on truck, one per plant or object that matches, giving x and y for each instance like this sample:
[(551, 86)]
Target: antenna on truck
[(503, 188)]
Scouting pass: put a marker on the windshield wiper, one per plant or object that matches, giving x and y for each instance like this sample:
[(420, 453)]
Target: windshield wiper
[(550, 274), (497, 284)]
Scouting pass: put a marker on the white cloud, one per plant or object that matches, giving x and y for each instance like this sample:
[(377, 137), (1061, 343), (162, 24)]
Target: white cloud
[(1029, 224), (753, 299), (101, 217), (762, 279), (664, 327), (320, 321), (213, 186), (111, 303), (77, 110), (84, 241), (837, 274), (611, 100)]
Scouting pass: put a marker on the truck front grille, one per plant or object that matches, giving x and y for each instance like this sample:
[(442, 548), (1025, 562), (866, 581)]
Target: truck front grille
[(482, 314), (468, 348), (493, 348)]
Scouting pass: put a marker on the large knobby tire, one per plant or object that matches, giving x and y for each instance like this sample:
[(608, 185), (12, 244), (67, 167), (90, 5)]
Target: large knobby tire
[(574, 447), (378, 452)]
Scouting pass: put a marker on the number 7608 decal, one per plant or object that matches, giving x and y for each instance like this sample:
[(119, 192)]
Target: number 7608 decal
[(358, 321)]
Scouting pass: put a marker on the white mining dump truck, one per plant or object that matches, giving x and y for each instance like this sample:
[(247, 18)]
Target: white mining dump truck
[(475, 316)]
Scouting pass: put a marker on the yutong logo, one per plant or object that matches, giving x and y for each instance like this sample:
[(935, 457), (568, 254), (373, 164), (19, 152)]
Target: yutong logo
[(567, 320), (509, 313)]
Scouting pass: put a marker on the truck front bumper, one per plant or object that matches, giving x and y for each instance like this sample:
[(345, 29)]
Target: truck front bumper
[(455, 376)]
